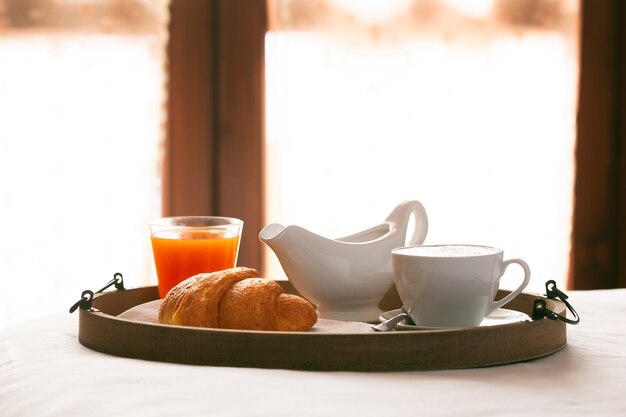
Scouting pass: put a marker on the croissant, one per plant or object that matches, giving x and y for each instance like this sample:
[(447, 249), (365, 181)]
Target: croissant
[(236, 298)]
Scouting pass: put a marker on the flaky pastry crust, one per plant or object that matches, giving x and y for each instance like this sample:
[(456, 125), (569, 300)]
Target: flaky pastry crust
[(236, 298)]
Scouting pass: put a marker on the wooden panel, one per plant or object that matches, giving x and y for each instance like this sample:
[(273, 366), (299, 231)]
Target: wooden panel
[(188, 173), (597, 238), (621, 138), (240, 129), (214, 151)]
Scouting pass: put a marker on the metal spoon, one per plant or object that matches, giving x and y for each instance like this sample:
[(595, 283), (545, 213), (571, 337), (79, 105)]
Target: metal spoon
[(391, 323)]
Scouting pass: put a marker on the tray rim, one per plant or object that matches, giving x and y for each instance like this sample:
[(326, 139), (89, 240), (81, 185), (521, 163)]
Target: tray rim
[(436, 349)]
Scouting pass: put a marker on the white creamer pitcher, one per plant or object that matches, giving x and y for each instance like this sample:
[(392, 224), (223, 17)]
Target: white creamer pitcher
[(347, 277)]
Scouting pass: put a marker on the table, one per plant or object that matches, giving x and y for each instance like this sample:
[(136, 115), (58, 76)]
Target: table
[(45, 371)]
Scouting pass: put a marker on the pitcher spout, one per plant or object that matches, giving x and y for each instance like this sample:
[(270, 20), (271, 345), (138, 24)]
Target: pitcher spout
[(270, 232)]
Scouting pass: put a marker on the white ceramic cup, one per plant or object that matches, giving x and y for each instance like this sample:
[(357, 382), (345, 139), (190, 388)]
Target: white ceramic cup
[(451, 285)]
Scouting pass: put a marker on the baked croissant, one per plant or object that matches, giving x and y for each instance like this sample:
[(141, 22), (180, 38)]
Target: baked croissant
[(235, 298)]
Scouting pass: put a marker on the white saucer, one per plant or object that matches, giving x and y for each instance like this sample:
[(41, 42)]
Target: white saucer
[(498, 317)]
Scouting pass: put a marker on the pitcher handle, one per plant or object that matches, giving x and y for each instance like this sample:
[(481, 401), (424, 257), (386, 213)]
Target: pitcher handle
[(421, 224), (497, 304)]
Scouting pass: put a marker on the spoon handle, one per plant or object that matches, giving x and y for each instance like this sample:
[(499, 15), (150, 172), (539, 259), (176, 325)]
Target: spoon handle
[(391, 323)]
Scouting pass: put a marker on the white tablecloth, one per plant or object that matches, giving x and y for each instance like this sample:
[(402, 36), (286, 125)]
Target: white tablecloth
[(44, 371)]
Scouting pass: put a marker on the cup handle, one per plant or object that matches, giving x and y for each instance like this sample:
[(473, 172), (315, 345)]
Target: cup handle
[(497, 304)]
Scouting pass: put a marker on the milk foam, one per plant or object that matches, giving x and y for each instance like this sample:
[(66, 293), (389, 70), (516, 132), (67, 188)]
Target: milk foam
[(447, 251)]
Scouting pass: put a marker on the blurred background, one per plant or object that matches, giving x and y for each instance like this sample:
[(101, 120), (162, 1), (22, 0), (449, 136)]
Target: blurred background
[(82, 114), (467, 106), (322, 113)]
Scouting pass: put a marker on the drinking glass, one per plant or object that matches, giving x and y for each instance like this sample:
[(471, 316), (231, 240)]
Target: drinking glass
[(188, 245)]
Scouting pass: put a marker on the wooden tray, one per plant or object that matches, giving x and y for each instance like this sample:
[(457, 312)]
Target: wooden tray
[(103, 331)]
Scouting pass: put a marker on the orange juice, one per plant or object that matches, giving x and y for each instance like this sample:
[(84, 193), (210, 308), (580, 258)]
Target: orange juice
[(179, 255)]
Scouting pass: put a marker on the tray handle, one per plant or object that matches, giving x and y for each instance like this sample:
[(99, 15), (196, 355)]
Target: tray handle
[(87, 296), (540, 310)]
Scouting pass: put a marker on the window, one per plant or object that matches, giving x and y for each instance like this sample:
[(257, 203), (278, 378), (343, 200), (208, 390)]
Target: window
[(82, 90), (63, 60), (234, 45), (467, 106)]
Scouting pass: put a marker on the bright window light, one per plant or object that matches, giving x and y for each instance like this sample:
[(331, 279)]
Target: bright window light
[(472, 112), (82, 91)]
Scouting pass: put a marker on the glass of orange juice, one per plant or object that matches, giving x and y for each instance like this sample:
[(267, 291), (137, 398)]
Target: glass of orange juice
[(189, 245)]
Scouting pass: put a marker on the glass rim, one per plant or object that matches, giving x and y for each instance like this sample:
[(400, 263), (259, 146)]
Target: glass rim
[(196, 222)]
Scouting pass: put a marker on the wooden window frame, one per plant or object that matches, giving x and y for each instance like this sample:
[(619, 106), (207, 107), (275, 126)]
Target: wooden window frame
[(598, 257), (213, 161), (214, 150)]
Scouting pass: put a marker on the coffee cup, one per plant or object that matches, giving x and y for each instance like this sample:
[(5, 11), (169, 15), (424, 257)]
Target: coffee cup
[(452, 285)]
